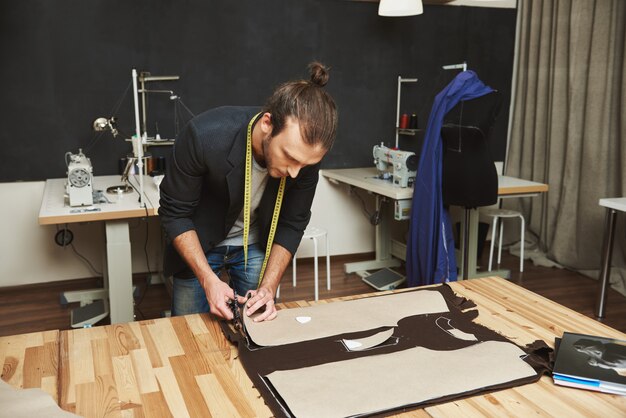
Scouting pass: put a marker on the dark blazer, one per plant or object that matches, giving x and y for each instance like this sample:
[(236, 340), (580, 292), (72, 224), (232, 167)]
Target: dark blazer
[(203, 187)]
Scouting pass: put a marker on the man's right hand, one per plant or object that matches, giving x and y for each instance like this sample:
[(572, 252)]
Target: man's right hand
[(218, 294)]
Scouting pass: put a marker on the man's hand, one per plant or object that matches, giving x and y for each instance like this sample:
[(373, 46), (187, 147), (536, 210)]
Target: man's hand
[(218, 294), (263, 297)]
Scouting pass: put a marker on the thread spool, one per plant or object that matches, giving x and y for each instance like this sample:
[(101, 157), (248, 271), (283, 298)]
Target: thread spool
[(413, 122), (149, 164), (160, 164), (404, 121)]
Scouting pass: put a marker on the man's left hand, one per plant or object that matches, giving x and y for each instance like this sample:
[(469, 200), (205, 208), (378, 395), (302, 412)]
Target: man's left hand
[(262, 297)]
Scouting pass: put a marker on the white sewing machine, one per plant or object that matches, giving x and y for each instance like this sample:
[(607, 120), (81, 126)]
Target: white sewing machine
[(399, 165), (79, 186)]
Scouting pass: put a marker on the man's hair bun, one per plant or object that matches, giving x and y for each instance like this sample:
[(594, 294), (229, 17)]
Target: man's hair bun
[(319, 73), (310, 104)]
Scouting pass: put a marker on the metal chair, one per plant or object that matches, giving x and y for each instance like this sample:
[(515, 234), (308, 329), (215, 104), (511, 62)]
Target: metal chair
[(498, 215)]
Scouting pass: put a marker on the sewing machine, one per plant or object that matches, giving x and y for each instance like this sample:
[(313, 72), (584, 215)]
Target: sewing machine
[(399, 165), (79, 188)]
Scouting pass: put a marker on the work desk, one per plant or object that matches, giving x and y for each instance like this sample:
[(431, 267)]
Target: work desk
[(115, 215), (186, 367), (389, 252), (54, 210)]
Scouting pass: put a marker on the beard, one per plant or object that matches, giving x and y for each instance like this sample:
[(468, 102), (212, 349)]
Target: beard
[(267, 157)]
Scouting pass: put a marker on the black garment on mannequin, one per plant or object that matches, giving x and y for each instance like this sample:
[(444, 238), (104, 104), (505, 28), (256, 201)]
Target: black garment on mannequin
[(469, 177)]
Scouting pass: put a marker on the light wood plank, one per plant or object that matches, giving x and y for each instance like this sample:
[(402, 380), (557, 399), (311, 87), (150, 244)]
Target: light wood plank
[(121, 339), (215, 397), (217, 340), (187, 341), (101, 357), (232, 390), (185, 372), (125, 382), (12, 367), (146, 380), (67, 385), (136, 330), (34, 339), (81, 360), (50, 364), (196, 324), (155, 405), (98, 398), (155, 357), (49, 385), (171, 392), (51, 336), (33, 366), (168, 345), (246, 388)]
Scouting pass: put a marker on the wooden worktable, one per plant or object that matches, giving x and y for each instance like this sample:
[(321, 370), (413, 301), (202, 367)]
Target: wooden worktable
[(185, 366)]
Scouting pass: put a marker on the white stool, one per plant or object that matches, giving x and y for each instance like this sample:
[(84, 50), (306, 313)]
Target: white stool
[(314, 234), (504, 213)]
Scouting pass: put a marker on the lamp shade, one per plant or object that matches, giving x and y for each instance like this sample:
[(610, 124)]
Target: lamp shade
[(393, 8)]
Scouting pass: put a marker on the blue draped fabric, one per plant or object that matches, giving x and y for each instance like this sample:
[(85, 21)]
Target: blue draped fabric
[(430, 254)]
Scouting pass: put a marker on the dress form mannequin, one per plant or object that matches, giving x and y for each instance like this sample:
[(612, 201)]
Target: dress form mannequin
[(469, 177)]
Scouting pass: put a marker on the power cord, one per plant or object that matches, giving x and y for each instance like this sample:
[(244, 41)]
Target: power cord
[(64, 238), (375, 217), (148, 282)]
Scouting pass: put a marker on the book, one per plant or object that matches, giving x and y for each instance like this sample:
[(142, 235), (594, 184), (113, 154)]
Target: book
[(591, 362)]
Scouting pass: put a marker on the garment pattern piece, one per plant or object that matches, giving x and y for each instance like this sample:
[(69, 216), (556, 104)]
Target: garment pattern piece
[(430, 256), (416, 340)]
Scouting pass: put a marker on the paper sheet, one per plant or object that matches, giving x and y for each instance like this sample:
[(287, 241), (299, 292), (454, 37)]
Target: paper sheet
[(380, 382), (338, 318)]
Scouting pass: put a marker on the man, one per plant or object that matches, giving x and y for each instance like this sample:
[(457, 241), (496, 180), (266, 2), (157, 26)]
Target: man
[(214, 176)]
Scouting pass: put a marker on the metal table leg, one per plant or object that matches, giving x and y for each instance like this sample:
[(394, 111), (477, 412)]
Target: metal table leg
[(383, 242), (119, 271), (607, 252)]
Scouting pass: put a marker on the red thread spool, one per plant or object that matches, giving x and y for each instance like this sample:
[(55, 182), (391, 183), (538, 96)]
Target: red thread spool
[(404, 121)]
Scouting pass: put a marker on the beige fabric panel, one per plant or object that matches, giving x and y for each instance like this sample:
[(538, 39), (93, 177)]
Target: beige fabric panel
[(338, 318), (379, 382)]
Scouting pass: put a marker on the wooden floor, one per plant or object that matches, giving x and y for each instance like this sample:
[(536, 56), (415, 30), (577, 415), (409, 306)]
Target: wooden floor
[(36, 307)]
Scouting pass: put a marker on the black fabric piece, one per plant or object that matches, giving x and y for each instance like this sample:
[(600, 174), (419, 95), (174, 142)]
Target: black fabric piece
[(469, 177), (541, 356), (413, 331)]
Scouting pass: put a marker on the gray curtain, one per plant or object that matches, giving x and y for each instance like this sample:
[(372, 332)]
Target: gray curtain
[(568, 124)]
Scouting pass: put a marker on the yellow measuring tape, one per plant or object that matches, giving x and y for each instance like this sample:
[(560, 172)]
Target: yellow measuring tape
[(246, 205)]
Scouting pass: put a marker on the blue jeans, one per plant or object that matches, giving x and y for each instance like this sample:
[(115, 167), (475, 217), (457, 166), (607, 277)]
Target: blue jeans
[(188, 295)]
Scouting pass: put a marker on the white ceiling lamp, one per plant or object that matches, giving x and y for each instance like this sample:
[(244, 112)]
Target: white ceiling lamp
[(396, 8)]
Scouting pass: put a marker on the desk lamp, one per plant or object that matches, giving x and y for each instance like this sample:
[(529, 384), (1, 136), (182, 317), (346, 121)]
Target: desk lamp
[(104, 124)]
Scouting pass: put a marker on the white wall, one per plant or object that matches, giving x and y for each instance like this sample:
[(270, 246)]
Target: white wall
[(29, 255), (341, 215)]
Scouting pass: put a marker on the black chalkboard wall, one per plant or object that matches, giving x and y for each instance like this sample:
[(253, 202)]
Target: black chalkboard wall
[(66, 62)]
